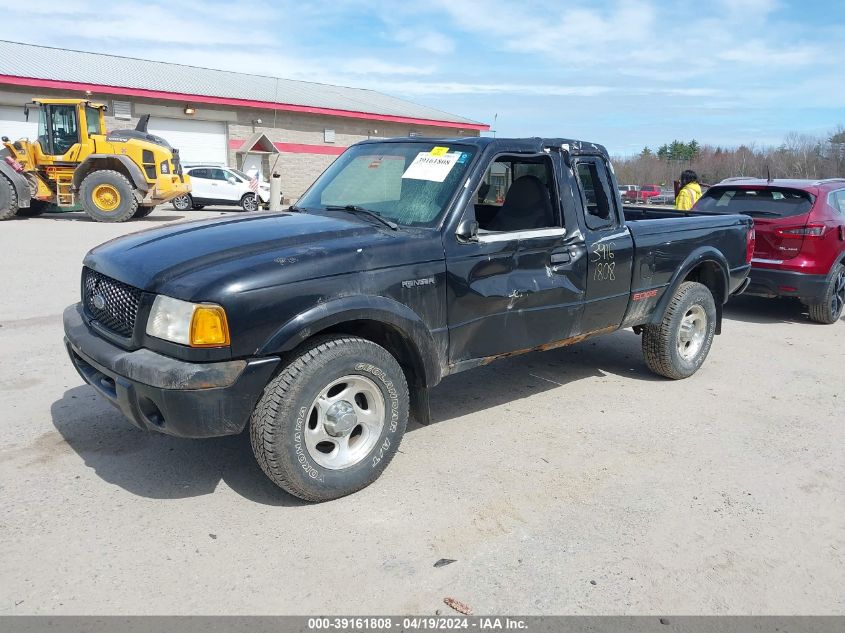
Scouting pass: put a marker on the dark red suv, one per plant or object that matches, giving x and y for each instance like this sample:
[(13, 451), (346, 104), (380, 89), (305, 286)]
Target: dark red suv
[(800, 229)]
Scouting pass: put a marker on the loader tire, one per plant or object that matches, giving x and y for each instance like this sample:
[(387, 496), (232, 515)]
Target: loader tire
[(143, 211), (108, 196), (8, 199), (36, 207)]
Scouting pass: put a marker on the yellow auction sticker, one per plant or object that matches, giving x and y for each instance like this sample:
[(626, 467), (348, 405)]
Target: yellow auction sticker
[(439, 151)]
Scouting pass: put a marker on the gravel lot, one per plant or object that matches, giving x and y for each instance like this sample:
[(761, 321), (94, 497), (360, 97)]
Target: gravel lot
[(567, 482)]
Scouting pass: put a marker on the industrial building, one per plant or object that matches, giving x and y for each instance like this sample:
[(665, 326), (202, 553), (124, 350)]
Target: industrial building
[(295, 128)]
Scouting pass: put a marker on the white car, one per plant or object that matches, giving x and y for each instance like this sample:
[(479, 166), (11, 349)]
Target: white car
[(215, 185)]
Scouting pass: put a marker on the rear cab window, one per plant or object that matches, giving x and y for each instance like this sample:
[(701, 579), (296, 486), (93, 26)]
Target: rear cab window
[(774, 202)]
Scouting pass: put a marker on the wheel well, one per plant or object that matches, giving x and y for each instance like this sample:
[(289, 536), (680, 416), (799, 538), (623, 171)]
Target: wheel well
[(390, 338), (101, 164), (710, 274)]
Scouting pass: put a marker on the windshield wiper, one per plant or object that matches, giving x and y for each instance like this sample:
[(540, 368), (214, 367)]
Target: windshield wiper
[(354, 208)]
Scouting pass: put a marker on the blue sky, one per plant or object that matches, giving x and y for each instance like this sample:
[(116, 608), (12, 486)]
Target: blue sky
[(625, 73)]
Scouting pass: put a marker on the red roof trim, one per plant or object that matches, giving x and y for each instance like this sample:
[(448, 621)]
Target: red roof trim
[(241, 103), (297, 148)]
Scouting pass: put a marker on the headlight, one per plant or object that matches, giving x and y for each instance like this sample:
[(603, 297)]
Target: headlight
[(194, 324)]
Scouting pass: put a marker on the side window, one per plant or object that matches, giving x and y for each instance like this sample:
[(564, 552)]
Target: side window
[(198, 173), (217, 174), (595, 193), (92, 120), (517, 193), (837, 200)]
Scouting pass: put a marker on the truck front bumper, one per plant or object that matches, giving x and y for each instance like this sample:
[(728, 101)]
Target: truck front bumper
[(159, 393), (766, 282)]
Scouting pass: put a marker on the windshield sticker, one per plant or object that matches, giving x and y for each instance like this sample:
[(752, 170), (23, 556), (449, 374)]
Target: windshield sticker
[(463, 158), (433, 168), (439, 151)]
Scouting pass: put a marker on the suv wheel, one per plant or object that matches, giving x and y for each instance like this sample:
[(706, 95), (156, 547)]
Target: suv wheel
[(829, 309), (249, 202), (182, 203), (677, 347), (332, 420)]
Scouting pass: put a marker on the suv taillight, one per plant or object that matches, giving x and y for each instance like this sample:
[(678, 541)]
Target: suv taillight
[(811, 230), (750, 241)]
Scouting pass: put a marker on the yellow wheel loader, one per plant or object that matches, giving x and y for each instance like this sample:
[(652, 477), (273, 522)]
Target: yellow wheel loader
[(75, 164)]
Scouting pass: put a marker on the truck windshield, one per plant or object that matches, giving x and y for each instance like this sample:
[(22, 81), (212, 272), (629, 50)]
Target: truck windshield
[(409, 183), (774, 202)]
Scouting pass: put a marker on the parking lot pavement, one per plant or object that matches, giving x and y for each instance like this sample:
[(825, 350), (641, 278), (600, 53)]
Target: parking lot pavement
[(566, 482)]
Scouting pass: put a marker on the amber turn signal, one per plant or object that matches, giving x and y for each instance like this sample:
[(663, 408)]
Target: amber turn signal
[(209, 327)]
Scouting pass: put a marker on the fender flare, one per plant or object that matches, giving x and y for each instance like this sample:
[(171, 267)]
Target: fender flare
[(701, 255), (135, 173), (20, 184), (358, 308)]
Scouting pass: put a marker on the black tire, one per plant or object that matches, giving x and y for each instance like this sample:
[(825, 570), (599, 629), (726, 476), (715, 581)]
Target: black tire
[(182, 203), (691, 304), (143, 211), (126, 202), (197, 207), (36, 208), (287, 411), (829, 309), (8, 199), (249, 202)]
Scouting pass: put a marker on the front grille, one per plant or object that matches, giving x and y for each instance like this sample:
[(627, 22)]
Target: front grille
[(118, 301)]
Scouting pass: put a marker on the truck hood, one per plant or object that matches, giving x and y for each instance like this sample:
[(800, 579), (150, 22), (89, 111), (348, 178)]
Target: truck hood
[(207, 260)]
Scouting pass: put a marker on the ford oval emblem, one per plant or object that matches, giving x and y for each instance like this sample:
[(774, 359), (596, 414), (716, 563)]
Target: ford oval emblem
[(99, 301)]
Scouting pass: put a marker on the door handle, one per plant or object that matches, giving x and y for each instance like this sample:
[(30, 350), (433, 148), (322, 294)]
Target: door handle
[(558, 261)]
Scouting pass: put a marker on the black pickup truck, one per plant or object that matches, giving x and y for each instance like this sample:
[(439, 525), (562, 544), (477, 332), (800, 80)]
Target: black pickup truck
[(323, 327)]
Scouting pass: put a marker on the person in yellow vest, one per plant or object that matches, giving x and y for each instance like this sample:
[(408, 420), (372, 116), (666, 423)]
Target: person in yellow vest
[(690, 191)]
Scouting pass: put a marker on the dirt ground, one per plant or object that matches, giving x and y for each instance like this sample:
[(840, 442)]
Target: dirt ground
[(569, 482)]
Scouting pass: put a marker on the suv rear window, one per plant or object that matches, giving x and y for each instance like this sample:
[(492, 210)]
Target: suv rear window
[(774, 202)]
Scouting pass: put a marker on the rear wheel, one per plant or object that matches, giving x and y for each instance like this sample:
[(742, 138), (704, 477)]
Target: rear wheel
[(108, 196), (143, 211), (8, 199), (182, 203), (249, 202), (332, 420), (829, 309), (678, 345)]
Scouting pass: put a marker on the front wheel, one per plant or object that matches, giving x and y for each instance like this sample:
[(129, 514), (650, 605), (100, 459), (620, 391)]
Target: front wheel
[(332, 420), (182, 203), (829, 309), (249, 202), (677, 346), (108, 196)]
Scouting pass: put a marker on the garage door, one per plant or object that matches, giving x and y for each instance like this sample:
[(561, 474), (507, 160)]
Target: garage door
[(14, 125), (197, 141)]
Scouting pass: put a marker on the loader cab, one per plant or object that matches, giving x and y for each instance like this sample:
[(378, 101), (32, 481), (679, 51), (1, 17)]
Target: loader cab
[(65, 126)]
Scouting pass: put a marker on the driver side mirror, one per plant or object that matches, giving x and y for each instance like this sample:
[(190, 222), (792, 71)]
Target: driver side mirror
[(467, 231), (231, 180), (26, 113)]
